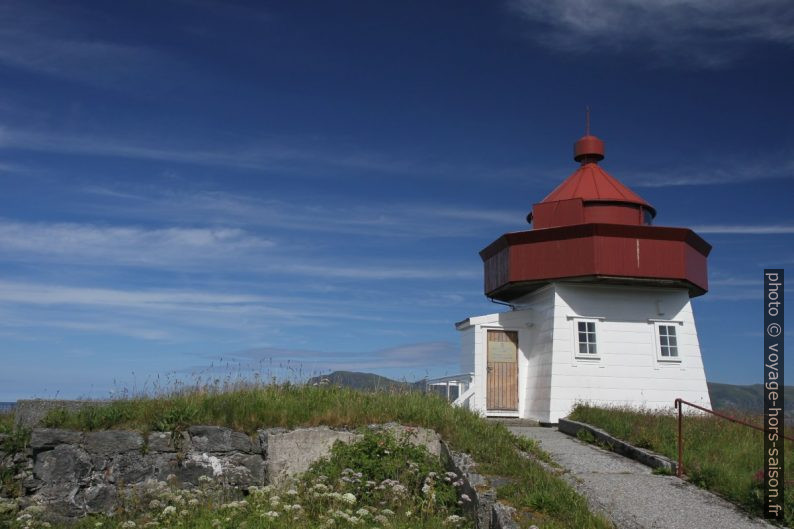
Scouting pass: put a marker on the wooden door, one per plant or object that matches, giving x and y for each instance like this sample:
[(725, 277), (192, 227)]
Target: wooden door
[(502, 393)]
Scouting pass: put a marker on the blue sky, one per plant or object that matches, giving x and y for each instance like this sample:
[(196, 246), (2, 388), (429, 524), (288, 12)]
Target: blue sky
[(193, 187)]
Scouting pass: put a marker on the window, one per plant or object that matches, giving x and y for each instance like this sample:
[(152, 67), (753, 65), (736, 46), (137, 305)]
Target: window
[(586, 338), (668, 342)]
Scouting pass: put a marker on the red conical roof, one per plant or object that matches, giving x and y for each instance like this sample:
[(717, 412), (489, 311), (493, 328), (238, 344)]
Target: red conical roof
[(593, 184)]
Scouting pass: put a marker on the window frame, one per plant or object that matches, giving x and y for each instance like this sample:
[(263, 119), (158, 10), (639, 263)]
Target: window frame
[(576, 343), (659, 336)]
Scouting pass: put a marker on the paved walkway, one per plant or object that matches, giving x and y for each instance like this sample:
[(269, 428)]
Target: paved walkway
[(632, 496)]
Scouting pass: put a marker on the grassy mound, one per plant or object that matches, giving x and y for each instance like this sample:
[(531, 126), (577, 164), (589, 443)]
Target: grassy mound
[(719, 455), (541, 498)]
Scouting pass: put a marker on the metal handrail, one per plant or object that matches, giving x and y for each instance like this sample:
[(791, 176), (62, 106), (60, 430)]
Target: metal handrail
[(450, 378), (679, 471)]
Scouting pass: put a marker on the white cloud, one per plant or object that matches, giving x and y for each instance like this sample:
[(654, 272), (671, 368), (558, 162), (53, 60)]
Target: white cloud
[(746, 229), (309, 214), (127, 245), (773, 167), (709, 33), (54, 40), (414, 355)]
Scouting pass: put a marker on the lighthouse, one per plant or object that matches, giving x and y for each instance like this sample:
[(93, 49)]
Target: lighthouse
[(598, 304)]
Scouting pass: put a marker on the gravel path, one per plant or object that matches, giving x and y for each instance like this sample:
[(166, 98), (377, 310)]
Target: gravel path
[(633, 497)]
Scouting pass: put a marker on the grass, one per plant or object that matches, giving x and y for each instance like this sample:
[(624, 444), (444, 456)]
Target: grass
[(541, 498), (6, 421), (719, 455)]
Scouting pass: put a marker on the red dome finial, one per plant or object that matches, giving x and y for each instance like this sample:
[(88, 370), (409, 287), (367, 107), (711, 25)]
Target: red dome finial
[(588, 149)]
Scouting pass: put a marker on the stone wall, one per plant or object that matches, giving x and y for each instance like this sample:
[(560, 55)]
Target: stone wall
[(74, 473), (77, 473)]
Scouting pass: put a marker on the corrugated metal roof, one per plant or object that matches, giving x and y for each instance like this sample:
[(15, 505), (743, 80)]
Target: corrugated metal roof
[(592, 184)]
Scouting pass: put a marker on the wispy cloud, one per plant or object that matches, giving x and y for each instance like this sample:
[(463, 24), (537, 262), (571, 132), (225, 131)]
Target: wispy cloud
[(178, 315), (128, 245), (208, 251), (746, 229), (413, 355), (291, 157), (705, 33), (308, 214), (51, 40), (772, 167)]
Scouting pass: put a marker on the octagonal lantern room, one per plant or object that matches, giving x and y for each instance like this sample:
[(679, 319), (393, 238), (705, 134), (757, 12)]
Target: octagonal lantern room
[(592, 228)]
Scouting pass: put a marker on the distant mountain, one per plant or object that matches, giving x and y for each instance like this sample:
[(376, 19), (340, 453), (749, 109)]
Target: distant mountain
[(725, 397), (744, 398), (364, 381), (5, 406)]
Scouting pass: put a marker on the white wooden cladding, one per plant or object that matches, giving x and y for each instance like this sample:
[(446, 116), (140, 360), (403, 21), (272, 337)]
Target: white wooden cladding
[(629, 369)]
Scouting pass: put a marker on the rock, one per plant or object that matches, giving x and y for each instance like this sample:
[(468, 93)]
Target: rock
[(31, 413), (48, 438), (62, 464), (244, 470), (293, 452), (417, 435), (59, 499), (191, 469), (112, 442), (164, 442), (217, 439), (100, 499), (129, 468)]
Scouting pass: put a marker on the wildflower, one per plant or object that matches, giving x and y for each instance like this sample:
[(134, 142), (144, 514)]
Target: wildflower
[(129, 524), (387, 512), (98, 524), (204, 479), (348, 498), (292, 492), (453, 519), (155, 504), (271, 514), (215, 523), (184, 513), (362, 512), (169, 510), (193, 502), (408, 514), (465, 497), (381, 519)]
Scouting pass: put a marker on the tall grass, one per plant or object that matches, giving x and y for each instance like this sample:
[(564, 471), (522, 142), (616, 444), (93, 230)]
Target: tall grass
[(718, 455), (6, 421), (541, 498)]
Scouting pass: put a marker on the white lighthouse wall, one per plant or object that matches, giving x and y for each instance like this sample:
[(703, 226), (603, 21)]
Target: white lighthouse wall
[(534, 324), (627, 370)]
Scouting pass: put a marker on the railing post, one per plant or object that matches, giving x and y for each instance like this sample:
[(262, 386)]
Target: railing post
[(679, 470)]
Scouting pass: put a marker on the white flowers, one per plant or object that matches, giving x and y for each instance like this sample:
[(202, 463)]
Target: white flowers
[(169, 510), (349, 498), (129, 524), (453, 519)]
